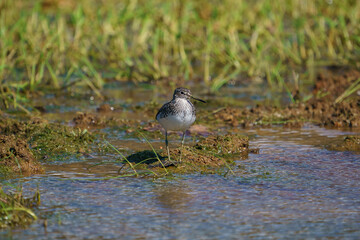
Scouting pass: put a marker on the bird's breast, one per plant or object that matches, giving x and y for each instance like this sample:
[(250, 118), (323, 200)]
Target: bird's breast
[(181, 117)]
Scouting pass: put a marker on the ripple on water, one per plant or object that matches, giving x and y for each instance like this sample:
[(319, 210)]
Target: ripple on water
[(310, 192)]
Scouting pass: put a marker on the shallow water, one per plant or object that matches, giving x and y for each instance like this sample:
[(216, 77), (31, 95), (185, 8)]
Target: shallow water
[(293, 187)]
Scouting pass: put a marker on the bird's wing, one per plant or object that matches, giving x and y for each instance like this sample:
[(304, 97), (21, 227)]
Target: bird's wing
[(162, 110)]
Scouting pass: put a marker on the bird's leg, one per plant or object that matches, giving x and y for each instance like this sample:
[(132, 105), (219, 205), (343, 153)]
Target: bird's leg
[(183, 139), (182, 144), (167, 145)]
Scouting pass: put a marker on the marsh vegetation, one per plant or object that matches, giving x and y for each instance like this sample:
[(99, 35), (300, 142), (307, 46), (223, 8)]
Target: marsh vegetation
[(81, 81)]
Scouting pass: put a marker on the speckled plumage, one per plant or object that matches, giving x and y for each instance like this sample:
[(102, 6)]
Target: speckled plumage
[(178, 114)]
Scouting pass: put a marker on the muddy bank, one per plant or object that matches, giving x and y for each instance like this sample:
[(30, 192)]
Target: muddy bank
[(350, 143), (212, 154), (24, 143), (323, 109), (16, 156)]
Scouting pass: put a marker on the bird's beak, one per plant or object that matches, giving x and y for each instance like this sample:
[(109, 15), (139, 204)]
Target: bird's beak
[(198, 99)]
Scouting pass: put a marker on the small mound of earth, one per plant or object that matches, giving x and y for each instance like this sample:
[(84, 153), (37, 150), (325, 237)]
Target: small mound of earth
[(149, 109), (105, 108), (191, 156), (208, 154), (50, 138), (199, 130), (224, 144), (87, 120), (350, 143), (16, 156)]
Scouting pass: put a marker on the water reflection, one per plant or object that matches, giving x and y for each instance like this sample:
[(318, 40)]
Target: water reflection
[(172, 198), (294, 187)]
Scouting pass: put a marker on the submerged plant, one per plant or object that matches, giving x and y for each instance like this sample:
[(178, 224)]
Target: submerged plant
[(15, 210)]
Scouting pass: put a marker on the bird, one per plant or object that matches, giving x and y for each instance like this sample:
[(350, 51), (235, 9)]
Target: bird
[(178, 114)]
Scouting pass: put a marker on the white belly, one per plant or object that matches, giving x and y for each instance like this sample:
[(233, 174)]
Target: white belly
[(177, 122)]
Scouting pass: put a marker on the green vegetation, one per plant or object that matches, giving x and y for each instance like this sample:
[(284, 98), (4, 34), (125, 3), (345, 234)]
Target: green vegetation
[(355, 86), (23, 144), (212, 154), (61, 43), (48, 138), (15, 210)]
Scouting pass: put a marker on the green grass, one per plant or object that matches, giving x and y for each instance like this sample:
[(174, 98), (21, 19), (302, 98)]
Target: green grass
[(66, 43), (15, 210), (354, 87)]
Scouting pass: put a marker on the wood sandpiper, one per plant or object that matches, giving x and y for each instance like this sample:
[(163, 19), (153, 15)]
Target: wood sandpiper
[(178, 114)]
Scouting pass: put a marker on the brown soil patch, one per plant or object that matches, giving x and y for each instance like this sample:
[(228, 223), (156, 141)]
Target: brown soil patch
[(206, 156), (23, 143), (196, 158), (224, 144), (86, 120), (335, 82), (350, 143), (16, 156), (105, 108), (321, 109)]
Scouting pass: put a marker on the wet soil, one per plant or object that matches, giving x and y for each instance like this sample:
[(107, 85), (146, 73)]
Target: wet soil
[(87, 120), (105, 108), (321, 109), (37, 139), (206, 156), (350, 143), (16, 156), (24, 143), (48, 138)]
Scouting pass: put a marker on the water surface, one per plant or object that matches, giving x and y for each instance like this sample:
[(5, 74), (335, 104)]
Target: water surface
[(294, 187)]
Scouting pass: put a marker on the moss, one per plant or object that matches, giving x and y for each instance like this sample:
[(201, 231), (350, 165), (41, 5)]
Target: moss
[(209, 155), (48, 138), (22, 144), (225, 144)]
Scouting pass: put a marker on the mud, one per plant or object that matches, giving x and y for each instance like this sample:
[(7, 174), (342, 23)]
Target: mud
[(321, 109), (226, 144), (48, 138), (209, 155), (334, 82), (350, 143), (16, 156), (88, 120), (23, 143), (105, 108)]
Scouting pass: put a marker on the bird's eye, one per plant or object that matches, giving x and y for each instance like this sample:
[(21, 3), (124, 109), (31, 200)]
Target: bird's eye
[(182, 92)]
